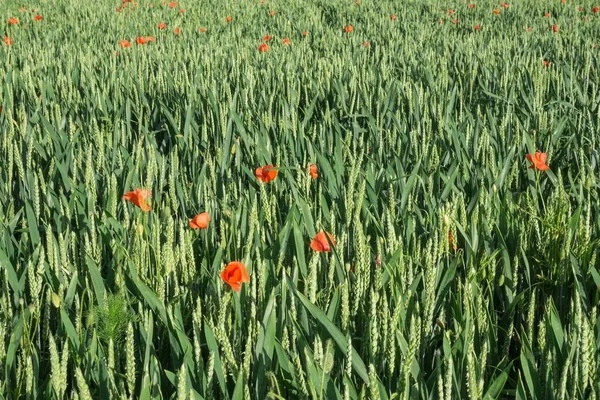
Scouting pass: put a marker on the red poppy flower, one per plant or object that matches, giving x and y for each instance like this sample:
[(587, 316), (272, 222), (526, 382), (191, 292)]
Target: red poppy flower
[(272, 13), (8, 41), (13, 21), (182, 11), (348, 28), (118, 9), (177, 31), (202, 30), (471, 5), (286, 41), (228, 19), (200, 221), (455, 21), (124, 43), (496, 11), (504, 5), (546, 63), (267, 173), (149, 39), (393, 17), (162, 25), (141, 40), (267, 38), (304, 33), (314, 173), (547, 15), (595, 10), (38, 17), (555, 28), (138, 197), (320, 243), (173, 4), (234, 274), (528, 29), (477, 27), (263, 47), (366, 44), (538, 161), (450, 12)]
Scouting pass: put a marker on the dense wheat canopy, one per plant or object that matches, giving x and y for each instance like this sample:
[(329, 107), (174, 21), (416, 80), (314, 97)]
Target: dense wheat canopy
[(275, 199)]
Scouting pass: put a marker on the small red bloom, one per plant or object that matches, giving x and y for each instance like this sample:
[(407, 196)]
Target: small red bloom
[(13, 21), (555, 28), (267, 173), (595, 10), (496, 11), (200, 221), (348, 28), (393, 17), (38, 17), (305, 33), (272, 13), (320, 242), (124, 43), (263, 48), (149, 39), (547, 15), (138, 197), (471, 6), (477, 27), (455, 21), (141, 40), (366, 44), (118, 9), (234, 274), (177, 30), (546, 63), (228, 19), (162, 25), (267, 38), (202, 30), (580, 9), (450, 12), (538, 161), (173, 4), (8, 41), (504, 5), (182, 11), (286, 41), (528, 29)]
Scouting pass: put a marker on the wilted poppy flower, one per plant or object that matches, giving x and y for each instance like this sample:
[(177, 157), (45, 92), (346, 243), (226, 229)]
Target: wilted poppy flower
[(177, 31), (267, 173), (538, 161), (314, 173), (286, 41), (580, 9), (202, 30), (263, 48), (200, 221), (477, 27), (138, 197), (504, 5), (38, 17), (453, 245), (8, 41), (13, 21), (141, 40), (228, 19), (320, 243), (528, 29), (173, 4), (471, 5), (349, 28), (272, 13), (555, 28), (267, 38), (124, 43), (393, 17), (162, 25), (496, 11), (366, 44), (234, 274)]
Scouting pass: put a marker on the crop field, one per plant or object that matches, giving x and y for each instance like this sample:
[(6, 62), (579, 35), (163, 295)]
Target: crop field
[(325, 199)]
